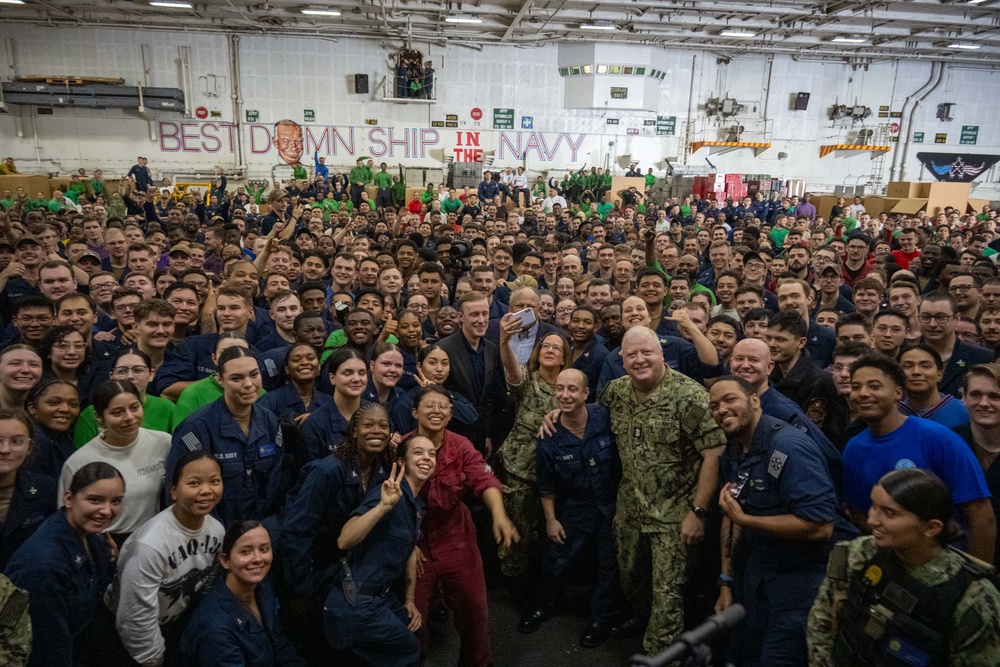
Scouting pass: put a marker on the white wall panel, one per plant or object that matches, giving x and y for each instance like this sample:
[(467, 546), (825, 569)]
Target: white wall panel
[(282, 77)]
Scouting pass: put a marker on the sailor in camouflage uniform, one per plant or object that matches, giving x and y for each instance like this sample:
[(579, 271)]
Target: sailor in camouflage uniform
[(535, 399), (15, 625), (669, 447), (902, 596)]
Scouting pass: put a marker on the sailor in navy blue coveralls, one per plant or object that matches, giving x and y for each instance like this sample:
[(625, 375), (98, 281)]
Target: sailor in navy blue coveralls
[(583, 476), (374, 624), (251, 464)]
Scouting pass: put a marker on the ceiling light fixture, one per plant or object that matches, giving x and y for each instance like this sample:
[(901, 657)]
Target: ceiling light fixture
[(11, 2), (463, 18), (964, 45), (729, 32), (976, 2), (172, 5), (850, 39), (598, 26), (321, 12)]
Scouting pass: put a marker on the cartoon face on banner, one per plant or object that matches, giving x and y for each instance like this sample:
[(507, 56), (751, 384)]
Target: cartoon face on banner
[(288, 141), (957, 167)]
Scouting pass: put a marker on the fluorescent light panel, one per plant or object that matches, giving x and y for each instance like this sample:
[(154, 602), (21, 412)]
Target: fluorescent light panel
[(850, 40), (11, 2), (737, 33), (460, 18), (598, 26), (173, 5), (963, 45), (321, 12)]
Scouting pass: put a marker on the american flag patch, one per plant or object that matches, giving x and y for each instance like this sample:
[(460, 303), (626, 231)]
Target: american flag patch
[(191, 441)]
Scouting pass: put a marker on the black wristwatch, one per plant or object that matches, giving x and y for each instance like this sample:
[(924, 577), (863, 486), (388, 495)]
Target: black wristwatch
[(699, 512)]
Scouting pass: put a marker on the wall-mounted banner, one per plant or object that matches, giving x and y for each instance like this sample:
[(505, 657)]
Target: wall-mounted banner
[(957, 167), (289, 142)]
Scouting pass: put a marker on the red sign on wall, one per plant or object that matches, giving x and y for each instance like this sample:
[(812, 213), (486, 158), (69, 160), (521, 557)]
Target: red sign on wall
[(477, 113), (201, 112)]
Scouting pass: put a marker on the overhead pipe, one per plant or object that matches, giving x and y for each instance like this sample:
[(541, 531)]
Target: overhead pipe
[(907, 106), (909, 123), (236, 95)]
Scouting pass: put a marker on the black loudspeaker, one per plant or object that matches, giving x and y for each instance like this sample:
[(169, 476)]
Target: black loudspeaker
[(801, 101), (361, 84)]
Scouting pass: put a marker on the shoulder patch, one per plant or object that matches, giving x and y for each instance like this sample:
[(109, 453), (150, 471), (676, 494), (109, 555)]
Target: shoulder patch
[(694, 418), (776, 464), (191, 441)]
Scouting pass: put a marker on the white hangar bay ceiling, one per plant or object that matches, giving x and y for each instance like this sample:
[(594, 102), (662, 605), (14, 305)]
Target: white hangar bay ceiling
[(956, 30)]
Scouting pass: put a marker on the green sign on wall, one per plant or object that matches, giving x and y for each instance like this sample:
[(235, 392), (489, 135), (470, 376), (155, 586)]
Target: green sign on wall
[(666, 125), (970, 135), (503, 119), (309, 115), (918, 137), (252, 115)]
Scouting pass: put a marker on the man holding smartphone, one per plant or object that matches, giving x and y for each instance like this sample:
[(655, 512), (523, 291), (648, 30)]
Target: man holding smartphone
[(524, 302)]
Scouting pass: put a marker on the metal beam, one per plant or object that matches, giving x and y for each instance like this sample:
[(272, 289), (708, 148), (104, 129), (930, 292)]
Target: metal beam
[(517, 19)]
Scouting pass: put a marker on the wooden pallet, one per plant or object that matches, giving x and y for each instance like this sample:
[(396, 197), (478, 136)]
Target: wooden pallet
[(70, 80)]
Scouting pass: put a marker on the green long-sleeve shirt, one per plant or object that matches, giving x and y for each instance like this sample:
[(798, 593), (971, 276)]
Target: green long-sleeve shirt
[(383, 180), (650, 180), (358, 175), (450, 205), (255, 195), (427, 197)]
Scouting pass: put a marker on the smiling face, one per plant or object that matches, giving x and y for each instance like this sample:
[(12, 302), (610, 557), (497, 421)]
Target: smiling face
[(69, 353), (15, 444), (387, 369), (350, 378), (123, 417), (635, 313), (922, 373), (642, 358), (95, 507), (241, 381), (249, 559), (436, 366), (873, 393), (199, 488), (733, 410), (894, 527), (420, 460), (433, 412), (373, 431)]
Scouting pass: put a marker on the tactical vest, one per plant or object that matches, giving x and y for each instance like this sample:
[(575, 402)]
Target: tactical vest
[(891, 620)]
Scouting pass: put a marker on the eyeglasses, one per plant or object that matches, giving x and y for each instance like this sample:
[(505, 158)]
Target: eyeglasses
[(66, 345), (960, 288), (442, 407), (940, 318), (101, 286), (550, 346), (17, 442), (125, 306), (123, 371)]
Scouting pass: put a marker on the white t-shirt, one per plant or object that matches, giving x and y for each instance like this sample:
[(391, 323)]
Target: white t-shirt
[(142, 465), (160, 568)]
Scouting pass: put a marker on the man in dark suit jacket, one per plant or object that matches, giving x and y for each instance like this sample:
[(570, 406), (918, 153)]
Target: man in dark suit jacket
[(521, 299), (476, 372)]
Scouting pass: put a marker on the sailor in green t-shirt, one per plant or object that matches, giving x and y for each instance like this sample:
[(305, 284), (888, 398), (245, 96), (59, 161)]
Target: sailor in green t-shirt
[(428, 195), (358, 177), (604, 209), (451, 203), (539, 190), (383, 183), (328, 204), (650, 179)]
